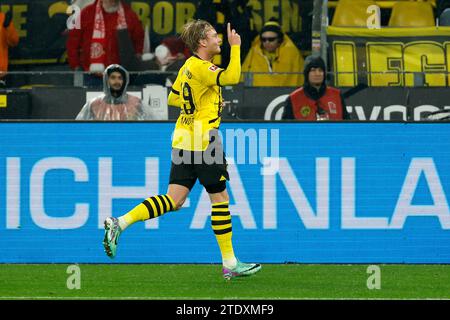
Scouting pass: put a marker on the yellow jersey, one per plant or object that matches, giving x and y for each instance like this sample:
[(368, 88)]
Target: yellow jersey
[(197, 91)]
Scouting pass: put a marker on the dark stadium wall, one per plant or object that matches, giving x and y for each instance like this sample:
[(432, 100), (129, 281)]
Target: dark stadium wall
[(242, 103)]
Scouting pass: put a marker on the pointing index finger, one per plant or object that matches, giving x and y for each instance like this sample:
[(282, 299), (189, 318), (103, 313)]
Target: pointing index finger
[(228, 28)]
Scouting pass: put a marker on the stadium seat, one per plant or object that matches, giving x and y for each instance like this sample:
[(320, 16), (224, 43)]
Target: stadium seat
[(444, 18), (412, 14), (352, 13)]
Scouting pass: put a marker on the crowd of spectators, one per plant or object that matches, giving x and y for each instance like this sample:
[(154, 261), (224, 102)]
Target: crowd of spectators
[(110, 33)]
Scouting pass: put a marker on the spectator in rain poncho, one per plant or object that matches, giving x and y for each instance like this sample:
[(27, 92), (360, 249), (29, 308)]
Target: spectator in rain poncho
[(273, 60), (115, 103)]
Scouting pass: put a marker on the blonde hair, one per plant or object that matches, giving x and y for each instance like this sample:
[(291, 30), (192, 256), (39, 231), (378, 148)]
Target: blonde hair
[(193, 32)]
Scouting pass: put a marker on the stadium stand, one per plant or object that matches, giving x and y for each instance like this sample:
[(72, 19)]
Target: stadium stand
[(412, 14), (352, 13)]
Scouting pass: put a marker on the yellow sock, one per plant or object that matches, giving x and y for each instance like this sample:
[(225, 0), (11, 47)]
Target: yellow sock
[(221, 225), (150, 208)]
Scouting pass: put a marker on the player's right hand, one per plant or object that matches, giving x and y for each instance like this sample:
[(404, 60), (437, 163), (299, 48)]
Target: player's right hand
[(234, 39)]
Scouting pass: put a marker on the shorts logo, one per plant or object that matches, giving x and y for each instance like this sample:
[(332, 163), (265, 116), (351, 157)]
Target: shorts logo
[(305, 111), (213, 68)]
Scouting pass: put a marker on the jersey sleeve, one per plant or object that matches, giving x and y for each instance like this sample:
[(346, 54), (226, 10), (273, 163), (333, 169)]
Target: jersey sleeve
[(208, 73), (232, 74), (211, 75), (174, 95), (176, 87)]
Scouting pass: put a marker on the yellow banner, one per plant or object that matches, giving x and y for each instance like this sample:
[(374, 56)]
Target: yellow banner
[(390, 56), (388, 32)]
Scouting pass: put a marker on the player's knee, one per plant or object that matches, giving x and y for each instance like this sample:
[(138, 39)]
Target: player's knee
[(216, 188)]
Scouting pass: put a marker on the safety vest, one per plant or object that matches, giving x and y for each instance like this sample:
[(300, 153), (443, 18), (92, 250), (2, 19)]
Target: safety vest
[(305, 108)]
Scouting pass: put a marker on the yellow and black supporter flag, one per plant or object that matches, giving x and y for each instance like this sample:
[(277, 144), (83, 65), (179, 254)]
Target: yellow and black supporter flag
[(389, 56)]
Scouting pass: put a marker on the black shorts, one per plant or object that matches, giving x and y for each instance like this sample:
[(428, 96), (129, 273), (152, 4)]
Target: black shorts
[(188, 166)]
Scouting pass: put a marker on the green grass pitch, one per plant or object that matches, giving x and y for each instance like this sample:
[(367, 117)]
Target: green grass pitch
[(181, 281)]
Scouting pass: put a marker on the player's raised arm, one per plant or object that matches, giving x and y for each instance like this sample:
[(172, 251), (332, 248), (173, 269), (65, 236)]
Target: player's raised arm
[(232, 73)]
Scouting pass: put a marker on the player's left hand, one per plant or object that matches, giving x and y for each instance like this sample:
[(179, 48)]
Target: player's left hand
[(234, 39)]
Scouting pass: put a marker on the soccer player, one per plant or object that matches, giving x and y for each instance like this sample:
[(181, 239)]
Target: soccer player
[(197, 152)]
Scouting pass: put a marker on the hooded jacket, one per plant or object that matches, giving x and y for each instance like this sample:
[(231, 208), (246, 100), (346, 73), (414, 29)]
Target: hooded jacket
[(108, 107), (288, 59), (315, 96)]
